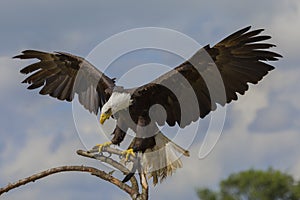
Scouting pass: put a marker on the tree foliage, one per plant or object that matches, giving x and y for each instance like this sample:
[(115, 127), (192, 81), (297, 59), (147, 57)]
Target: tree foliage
[(255, 185)]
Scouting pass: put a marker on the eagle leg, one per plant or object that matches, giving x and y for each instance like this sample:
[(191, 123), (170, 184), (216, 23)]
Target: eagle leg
[(119, 135)]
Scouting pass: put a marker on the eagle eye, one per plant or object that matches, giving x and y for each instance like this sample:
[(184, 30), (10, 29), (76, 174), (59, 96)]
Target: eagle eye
[(108, 111)]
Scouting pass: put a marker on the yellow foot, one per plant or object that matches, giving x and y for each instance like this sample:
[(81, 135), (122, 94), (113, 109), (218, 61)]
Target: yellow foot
[(127, 153), (100, 146)]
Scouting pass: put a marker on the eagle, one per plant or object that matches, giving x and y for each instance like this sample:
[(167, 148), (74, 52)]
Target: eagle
[(212, 76)]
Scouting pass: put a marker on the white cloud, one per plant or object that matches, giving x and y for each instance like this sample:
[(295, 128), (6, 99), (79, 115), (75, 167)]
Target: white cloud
[(285, 85), (36, 153), (284, 117), (282, 110), (286, 29), (237, 150), (9, 75)]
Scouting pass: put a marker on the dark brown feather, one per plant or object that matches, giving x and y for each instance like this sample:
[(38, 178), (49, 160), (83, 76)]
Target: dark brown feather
[(57, 73), (238, 59)]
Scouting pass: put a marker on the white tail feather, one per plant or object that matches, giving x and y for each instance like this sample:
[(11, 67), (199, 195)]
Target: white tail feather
[(162, 160)]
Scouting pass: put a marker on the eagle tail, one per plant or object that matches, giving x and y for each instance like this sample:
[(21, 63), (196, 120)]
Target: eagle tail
[(163, 159)]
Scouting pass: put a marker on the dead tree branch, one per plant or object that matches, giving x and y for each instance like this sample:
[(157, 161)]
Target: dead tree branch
[(110, 161), (132, 190)]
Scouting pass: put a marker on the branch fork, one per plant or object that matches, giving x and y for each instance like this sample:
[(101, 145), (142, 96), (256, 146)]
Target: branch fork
[(106, 157)]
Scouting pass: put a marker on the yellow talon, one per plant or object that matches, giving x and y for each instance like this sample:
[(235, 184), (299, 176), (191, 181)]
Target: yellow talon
[(100, 146), (128, 152)]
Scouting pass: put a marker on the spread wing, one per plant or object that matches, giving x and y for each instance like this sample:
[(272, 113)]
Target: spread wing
[(215, 75), (61, 75)]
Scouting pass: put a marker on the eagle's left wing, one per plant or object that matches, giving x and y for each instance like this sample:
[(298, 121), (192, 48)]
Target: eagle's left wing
[(215, 75)]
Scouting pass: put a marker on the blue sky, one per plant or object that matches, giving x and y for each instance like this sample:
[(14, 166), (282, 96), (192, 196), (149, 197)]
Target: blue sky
[(38, 132)]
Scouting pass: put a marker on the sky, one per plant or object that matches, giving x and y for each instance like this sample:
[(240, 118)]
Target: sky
[(261, 129)]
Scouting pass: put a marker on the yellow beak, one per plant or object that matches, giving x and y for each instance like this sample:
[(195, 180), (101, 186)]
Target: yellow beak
[(104, 117)]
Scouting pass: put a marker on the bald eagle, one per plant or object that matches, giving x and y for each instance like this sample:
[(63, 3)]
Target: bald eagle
[(237, 60)]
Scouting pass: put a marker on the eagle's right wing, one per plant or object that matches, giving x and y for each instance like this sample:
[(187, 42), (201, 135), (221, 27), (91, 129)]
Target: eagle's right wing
[(61, 75)]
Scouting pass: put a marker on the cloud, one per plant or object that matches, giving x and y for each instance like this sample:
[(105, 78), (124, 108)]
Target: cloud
[(238, 149), (37, 151), (284, 117), (245, 143), (282, 111), (234, 152), (286, 32), (9, 74), (67, 31)]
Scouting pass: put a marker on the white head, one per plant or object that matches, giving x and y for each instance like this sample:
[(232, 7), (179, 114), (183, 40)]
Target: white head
[(117, 101)]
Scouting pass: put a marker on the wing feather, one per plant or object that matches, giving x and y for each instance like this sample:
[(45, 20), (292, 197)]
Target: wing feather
[(239, 59), (61, 75)]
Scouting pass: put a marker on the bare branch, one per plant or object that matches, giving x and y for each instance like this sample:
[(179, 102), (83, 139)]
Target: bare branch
[(94, 153), (111, 162), (132, 190), (93, 171), (109, 150)]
